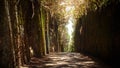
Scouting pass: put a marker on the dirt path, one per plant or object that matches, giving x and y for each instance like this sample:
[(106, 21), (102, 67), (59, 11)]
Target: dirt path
[(65, 60)]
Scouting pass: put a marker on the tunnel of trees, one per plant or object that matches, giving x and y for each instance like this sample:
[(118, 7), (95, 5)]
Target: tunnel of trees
[(35, 28)]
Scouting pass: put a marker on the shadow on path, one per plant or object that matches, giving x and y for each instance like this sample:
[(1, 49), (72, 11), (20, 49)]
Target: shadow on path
[(65, 60)]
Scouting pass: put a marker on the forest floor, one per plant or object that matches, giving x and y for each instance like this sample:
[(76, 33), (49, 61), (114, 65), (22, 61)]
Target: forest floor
[(65, 60)]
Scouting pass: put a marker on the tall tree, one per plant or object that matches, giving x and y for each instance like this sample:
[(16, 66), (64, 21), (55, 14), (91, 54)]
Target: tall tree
[(6, 39)]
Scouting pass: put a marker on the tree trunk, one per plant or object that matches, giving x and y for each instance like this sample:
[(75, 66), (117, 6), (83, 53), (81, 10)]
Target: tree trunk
[(6, 47)]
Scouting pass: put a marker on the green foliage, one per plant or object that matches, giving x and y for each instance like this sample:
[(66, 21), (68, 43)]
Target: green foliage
[(69, 48), (76, 8), (95, 4)]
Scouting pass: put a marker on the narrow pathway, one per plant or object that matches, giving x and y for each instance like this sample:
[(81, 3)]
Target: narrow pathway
[(66, 60)]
